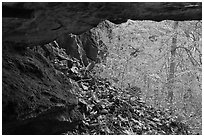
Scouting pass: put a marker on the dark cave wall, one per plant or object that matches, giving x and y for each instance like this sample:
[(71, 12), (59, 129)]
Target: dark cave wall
[(32, 89), (50, 20)]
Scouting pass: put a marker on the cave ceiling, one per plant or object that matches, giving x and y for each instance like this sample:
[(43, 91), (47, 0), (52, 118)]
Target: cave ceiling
[(38, 23)]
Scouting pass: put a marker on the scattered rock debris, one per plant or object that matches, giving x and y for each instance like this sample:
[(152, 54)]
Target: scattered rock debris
[(109, 111), (100, 109)]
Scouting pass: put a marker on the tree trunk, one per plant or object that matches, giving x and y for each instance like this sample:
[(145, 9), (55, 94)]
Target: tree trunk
[(124, 71), (170, 78)]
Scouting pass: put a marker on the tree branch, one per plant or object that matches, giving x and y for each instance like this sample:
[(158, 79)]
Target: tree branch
[(193, 61)]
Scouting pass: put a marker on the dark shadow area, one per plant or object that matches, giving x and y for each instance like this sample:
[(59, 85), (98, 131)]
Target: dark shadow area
[(17, 12)]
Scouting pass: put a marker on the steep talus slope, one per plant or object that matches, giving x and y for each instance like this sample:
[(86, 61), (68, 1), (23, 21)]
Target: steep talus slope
[(46, 91), (38, 93), (47, 87)]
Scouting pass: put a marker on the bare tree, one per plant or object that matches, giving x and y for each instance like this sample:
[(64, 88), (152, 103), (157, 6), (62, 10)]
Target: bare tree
[(170, 77)]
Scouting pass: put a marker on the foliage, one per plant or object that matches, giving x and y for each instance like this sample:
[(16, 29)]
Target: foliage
[(139, 54)]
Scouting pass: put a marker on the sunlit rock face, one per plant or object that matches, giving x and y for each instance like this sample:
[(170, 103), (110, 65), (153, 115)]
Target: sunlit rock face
[(38, 23)]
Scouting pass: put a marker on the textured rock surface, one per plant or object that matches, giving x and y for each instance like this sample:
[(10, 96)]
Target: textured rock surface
[(35, 95), (38, 94), (43, 22), (82, 47), (38, 99)]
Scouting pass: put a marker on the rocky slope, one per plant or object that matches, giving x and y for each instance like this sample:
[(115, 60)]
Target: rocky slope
[(31, 87), (48, 91), (47, 87), (38, 91)]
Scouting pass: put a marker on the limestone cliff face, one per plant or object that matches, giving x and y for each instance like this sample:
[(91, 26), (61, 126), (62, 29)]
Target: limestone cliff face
[(40, 23)]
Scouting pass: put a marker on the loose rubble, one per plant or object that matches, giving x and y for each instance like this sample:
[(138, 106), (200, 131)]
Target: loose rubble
[(110, 111)]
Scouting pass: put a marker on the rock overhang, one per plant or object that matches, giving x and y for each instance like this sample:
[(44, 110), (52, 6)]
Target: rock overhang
[(39, 23)]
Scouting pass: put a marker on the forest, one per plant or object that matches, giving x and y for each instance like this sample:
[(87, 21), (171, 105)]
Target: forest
[(163, 59)]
